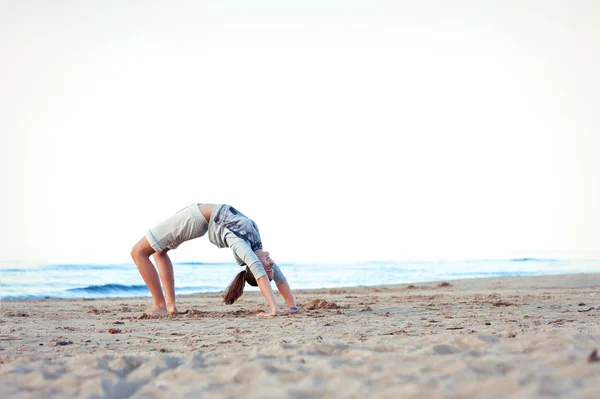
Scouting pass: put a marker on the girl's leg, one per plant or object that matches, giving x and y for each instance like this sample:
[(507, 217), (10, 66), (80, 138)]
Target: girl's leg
[(141, 257), (165, 270)]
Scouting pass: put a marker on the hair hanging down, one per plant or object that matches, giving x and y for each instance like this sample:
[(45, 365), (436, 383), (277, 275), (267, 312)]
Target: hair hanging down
[(236, 288)]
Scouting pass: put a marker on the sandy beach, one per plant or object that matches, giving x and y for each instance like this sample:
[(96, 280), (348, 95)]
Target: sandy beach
[(511, 337)]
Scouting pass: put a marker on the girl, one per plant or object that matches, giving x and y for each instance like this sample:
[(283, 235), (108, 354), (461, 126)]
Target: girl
[(226, 227)]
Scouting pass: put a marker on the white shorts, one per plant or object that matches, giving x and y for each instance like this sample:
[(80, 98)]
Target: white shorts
[(185, 225)]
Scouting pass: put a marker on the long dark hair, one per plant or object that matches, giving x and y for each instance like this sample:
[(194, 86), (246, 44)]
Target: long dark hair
[(236, 288)]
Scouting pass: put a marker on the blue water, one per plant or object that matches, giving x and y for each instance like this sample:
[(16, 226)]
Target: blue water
[(123, 280)]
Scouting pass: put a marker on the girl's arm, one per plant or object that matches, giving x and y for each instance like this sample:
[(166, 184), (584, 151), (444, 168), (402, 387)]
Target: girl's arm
[(286, 292), (244, 253), (265, 287)]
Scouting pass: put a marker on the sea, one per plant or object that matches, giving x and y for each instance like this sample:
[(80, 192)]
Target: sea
[(32, 281)]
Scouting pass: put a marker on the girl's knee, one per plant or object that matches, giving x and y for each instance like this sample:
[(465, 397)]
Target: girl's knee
[(135, 251), (142, 249)]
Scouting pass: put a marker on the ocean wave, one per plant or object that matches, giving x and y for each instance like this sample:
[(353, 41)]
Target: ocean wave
[(131, 289), (31, 296), (108, 288), (89, 266)]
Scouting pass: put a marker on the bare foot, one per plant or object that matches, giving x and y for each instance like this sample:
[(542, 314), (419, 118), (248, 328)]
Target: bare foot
[(172, 310), (156, 311), (264, 314)]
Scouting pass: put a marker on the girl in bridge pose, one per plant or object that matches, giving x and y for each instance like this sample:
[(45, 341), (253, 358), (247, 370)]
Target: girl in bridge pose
[(226, 227)]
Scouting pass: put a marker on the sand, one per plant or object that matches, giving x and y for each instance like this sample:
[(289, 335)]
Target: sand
[(512, 337)]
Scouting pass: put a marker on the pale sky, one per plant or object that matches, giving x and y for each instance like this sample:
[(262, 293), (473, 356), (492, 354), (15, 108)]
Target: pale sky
[(348, 130)]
